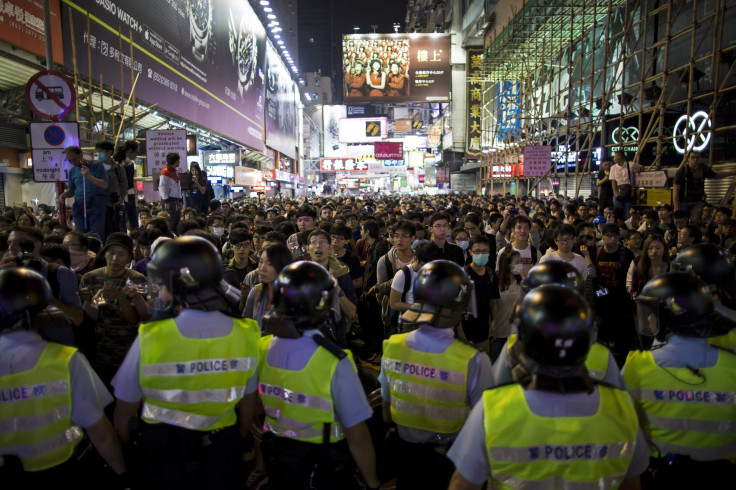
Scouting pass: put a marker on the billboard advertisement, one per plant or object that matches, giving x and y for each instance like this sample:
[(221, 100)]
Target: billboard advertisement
[(332, 114), (202, 61), (350, 165), (362, 129), (389, 151), (21, 24), (396, 67), (281, 122)]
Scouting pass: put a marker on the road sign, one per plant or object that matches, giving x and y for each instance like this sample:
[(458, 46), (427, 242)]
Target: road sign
[(48, 141), (50, 95), (658, 178), (654, 197)]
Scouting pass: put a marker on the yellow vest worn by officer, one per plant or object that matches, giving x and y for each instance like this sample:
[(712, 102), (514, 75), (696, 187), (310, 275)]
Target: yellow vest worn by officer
[(688, 413), (596, 361), (35, 412), (526, 450), (727, 341), (298, 404), (428, 391), (195, 383)]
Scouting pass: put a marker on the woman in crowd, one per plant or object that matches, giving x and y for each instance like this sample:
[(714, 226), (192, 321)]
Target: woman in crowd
[(509, 287), (274, 257), (82, 259), (654, 261)]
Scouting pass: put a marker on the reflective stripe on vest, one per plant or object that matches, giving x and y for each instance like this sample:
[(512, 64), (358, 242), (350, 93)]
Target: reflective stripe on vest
[(35, 411), (298, 403), (428, 391), (687, 413), (526, 450), (596, 361), (195, 383)]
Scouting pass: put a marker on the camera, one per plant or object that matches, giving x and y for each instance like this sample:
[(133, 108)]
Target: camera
[(514, 211), (26, 258)]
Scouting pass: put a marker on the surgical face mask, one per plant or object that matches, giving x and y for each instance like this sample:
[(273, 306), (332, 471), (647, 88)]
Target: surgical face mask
[(218, 230), (463, 244), (517, 269), (107, 167), (101, 157), (480, 259)]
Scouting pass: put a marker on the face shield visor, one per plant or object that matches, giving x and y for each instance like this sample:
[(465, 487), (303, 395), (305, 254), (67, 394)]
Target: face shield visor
[(647, 316)]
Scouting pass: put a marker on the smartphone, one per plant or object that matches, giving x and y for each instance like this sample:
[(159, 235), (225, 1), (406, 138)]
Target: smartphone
[(514, 211), (601, 292)]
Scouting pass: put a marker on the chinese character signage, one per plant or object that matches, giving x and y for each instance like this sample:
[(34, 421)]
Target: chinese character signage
[(159, 143), (509, 107), (537, 160), (396, 67), (350, 165), (474, 104), (21, 24), (200, 60), (389, 151)]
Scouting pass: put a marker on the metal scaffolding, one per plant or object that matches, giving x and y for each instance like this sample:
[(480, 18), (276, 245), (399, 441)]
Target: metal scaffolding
[(652, 78)]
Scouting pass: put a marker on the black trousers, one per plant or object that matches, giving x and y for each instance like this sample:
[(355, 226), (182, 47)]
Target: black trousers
[(296, 465), (168, 457), (421, 466)]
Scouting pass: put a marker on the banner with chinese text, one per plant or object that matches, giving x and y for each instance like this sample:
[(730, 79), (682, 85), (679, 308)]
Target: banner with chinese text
[(474, 104)]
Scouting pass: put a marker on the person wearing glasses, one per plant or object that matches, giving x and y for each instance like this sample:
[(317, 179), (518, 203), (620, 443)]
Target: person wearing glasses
[(319, 245), (243, 261), (439, 225), (564, 238)]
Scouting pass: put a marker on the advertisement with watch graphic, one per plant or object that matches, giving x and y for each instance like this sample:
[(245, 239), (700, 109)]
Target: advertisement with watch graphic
[(202, 60), (281, 97)]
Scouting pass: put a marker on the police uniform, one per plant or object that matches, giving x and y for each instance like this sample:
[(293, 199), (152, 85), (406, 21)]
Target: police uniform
[(550, 458), (686, 389), (48, 393), (189, 437), (430, 380), (310, 394), (600, 363)]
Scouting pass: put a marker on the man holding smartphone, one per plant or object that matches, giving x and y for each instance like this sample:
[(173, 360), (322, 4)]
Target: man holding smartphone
[(88, 185)]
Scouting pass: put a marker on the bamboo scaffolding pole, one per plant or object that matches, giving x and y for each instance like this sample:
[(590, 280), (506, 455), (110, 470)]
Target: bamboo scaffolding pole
[(133, 80), (132, 91), (92, 120), (74, 60), (102, 109)]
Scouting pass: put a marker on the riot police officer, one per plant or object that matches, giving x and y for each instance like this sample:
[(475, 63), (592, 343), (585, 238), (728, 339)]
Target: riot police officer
[(599, 361), (192, 376), (315, 407), (713, 266), (429, 380), (685, 388), (47, 392), (555, 427)]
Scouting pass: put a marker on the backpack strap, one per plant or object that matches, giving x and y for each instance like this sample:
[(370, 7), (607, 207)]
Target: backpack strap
[(330, 346), (407, 282)]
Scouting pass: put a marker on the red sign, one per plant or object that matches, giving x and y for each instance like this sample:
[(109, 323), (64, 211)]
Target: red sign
[(277, 175), (389, 151), (350, 165), (260, 188), (50, 95), (21, 24)]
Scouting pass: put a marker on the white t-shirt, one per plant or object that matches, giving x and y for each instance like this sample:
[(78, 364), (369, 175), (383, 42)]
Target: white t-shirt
[(578, 262), (621, 175), (526, 258), (398, 284)]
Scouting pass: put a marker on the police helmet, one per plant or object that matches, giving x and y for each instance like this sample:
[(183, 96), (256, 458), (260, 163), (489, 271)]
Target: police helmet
[(304, 292), (680, 303), (22, 292), (713, 266), (187, 266), (442, 291), (555, 326), (554, 272), (599, 220)]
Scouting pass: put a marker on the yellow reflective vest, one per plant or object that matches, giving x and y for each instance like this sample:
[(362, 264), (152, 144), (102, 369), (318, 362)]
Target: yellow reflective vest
[(727, 341), (526, 450), (195, 383), (298, 404), (35, 411), (596, 361), (686, 413), (428, 391)]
